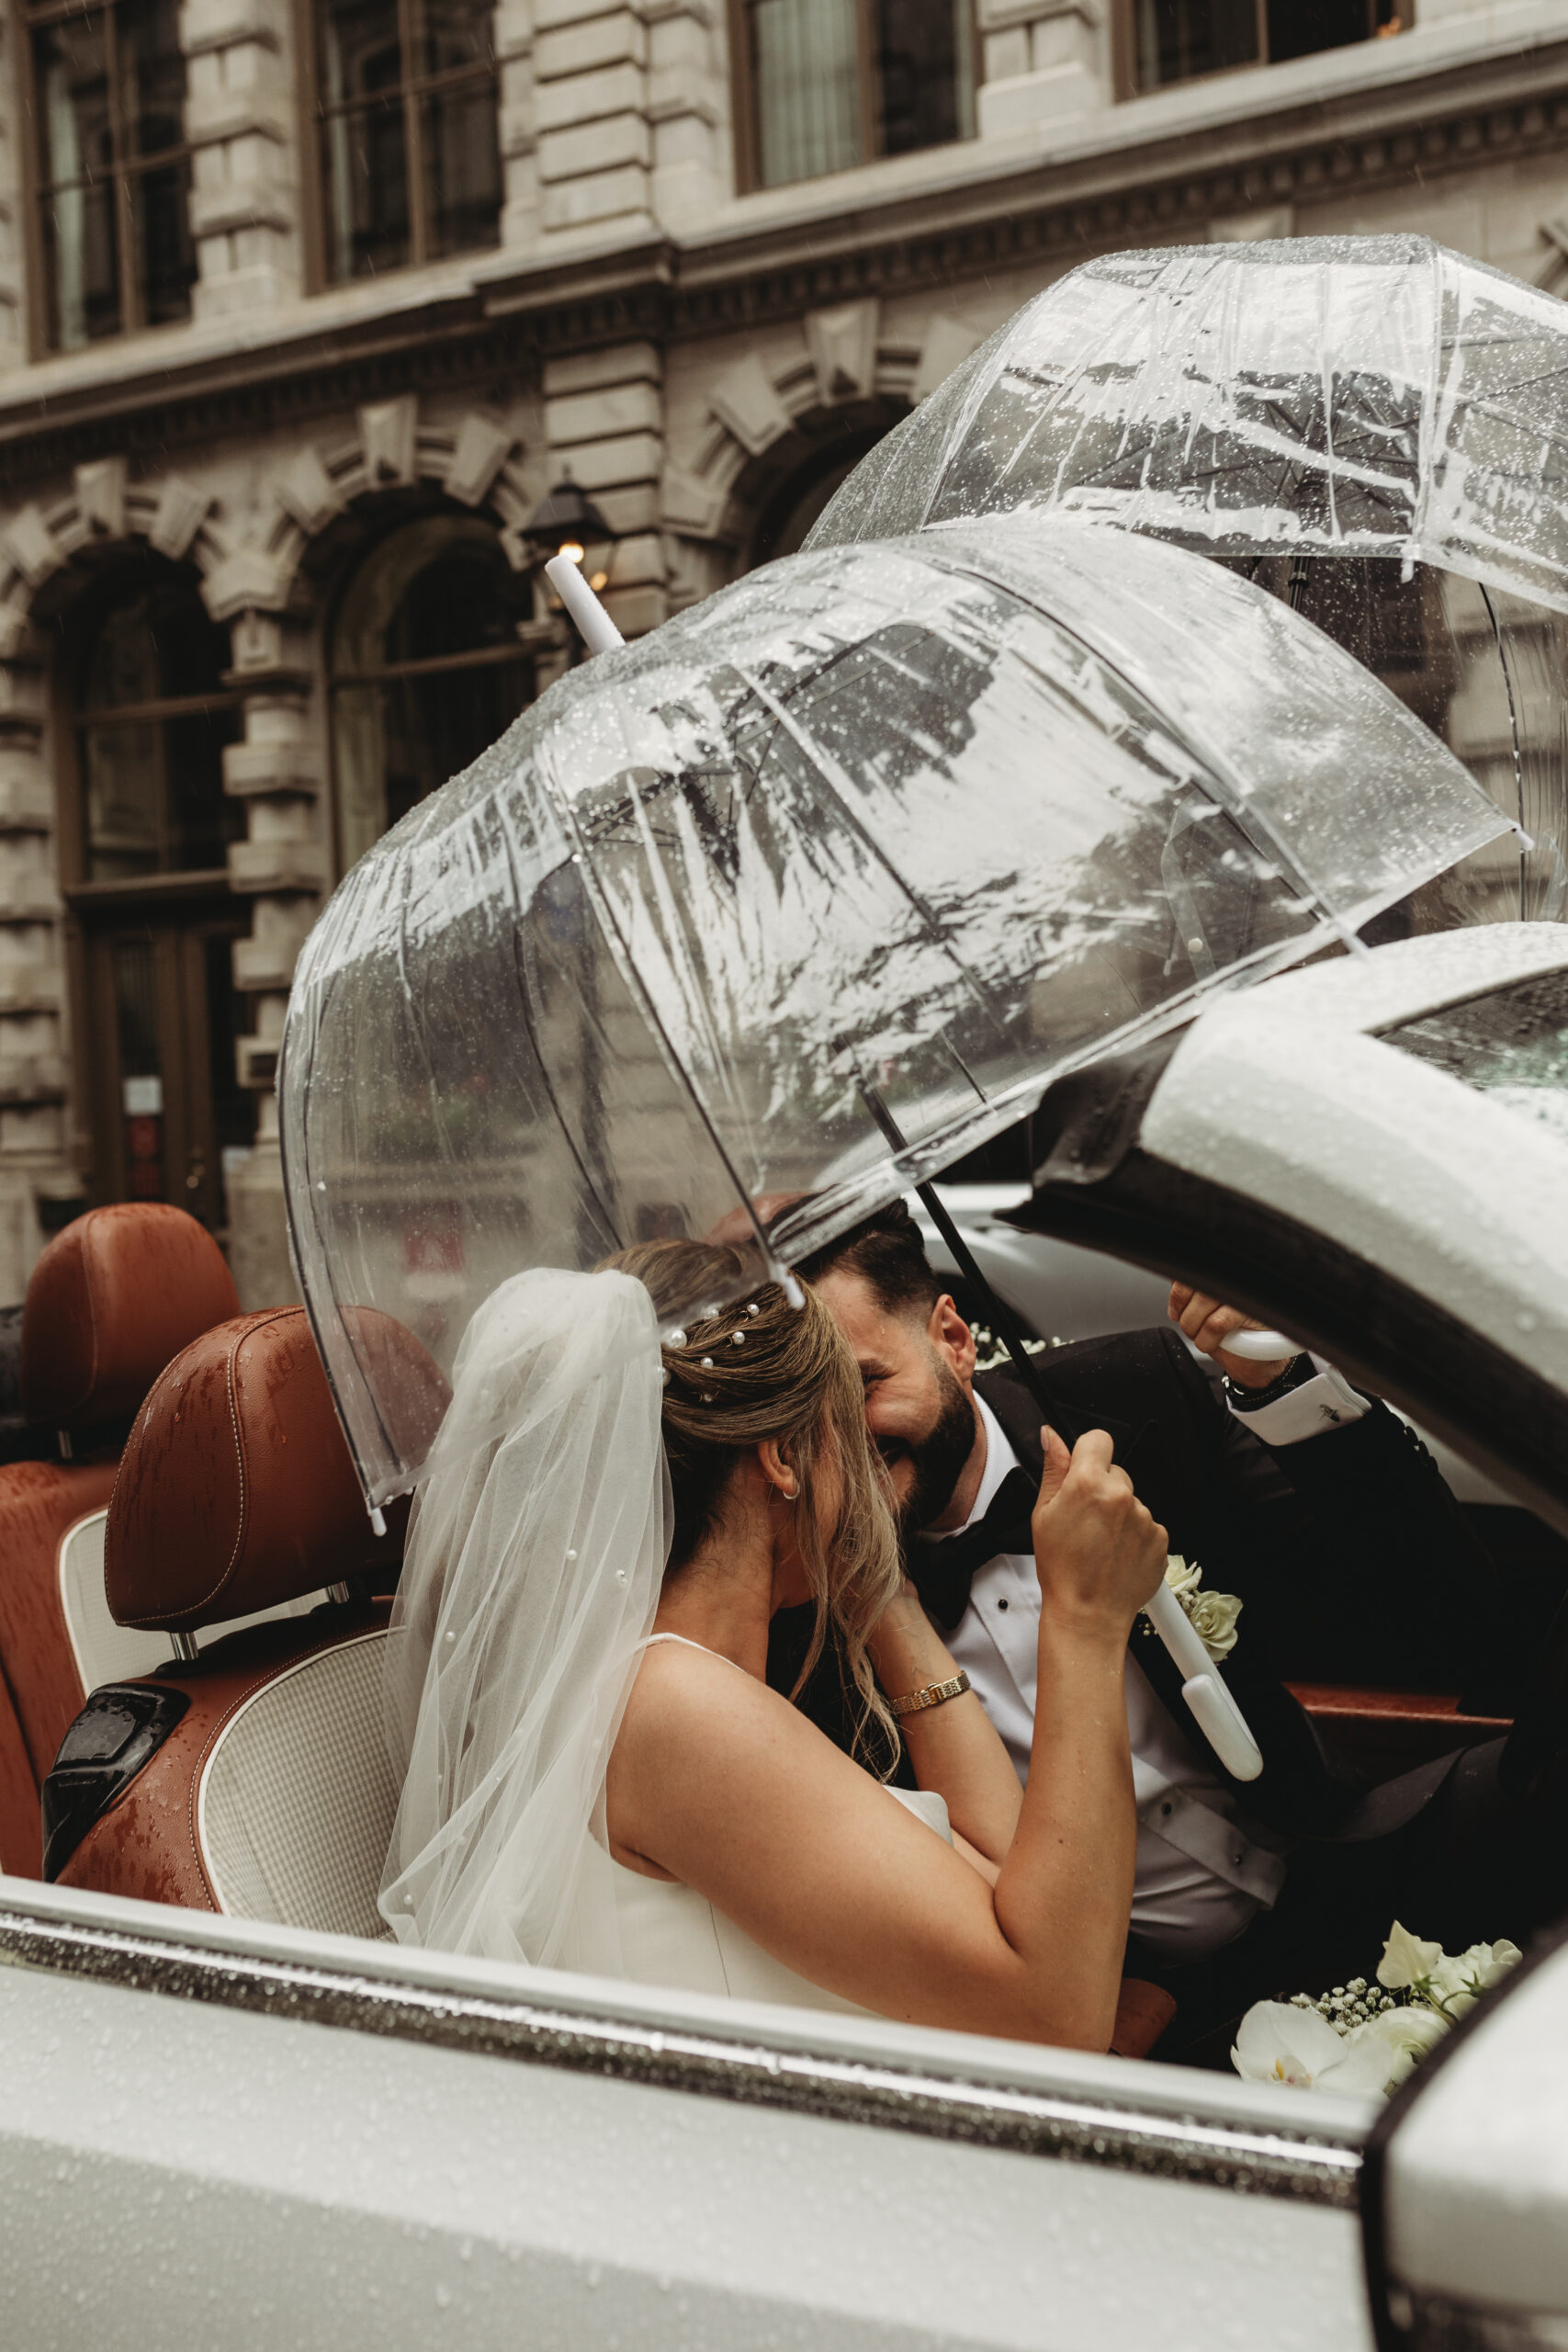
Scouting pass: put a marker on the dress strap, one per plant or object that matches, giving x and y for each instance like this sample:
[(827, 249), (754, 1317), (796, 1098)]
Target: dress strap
[(687, 1644)]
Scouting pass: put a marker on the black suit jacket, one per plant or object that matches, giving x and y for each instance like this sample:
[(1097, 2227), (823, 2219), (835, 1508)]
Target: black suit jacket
[(1350, 1555)]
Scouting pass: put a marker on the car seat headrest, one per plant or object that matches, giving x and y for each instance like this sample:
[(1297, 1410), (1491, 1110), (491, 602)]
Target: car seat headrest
[(112, 1298), (236, 1491)]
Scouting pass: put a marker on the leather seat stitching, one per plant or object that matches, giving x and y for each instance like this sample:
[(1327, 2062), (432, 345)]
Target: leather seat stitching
[(155, 1622)]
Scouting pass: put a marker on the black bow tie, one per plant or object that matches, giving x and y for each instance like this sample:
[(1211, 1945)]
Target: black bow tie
[(943, 1567)]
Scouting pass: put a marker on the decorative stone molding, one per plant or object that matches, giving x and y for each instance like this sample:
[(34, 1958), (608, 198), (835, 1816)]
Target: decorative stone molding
[(748, 405), (100, 496), (177, 517), (842, 345), (755, 412), (389, 432)]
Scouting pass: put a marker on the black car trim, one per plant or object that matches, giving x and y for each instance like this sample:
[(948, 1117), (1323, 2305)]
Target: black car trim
[(1401, 1345), (1323, 2169)]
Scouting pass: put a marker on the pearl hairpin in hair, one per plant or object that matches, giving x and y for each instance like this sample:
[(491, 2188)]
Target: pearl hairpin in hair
[(736, 1337)]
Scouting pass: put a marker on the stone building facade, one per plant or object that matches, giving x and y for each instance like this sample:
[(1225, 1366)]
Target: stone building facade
[(265, 461)]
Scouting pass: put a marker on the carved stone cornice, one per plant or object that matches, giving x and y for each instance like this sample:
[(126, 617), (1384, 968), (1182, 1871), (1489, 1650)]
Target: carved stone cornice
[(488, 339)]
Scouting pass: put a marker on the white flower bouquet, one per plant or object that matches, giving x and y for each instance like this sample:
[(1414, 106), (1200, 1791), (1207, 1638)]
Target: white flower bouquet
[(1365, 2039)]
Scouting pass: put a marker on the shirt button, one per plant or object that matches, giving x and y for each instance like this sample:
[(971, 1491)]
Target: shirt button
[(1001, 1604)]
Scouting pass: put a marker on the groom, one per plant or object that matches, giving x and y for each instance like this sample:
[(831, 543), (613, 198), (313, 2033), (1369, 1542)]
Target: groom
[(1315, 1506)]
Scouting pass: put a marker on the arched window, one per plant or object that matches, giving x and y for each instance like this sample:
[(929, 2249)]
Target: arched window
[(154, 716), (146, 835), (426, 669)]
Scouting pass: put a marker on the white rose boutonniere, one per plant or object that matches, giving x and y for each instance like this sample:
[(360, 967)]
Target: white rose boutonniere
[(1213, 1614)]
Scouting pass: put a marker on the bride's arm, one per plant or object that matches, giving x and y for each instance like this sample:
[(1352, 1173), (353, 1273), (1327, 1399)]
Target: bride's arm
[(954, 1749), (719, 1781)]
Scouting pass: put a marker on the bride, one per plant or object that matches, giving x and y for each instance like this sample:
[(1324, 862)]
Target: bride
[(595, 1775)]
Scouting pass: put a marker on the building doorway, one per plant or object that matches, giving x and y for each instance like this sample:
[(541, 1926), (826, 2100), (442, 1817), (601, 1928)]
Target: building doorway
[(162, 1022)]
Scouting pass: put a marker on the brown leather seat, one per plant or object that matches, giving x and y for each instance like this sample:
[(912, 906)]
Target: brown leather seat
[(111, 1299), (253, 1778)]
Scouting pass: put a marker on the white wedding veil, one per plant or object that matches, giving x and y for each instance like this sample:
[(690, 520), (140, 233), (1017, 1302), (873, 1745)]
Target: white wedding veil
[(535, 1548)]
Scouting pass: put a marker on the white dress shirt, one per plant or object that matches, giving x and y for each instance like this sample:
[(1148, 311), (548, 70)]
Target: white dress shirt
[(1203, 1871)]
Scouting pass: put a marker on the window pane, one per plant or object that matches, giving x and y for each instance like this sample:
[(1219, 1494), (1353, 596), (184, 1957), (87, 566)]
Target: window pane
[(136, 1019), (357, 50), (1301, 28), (70, 72), (153, 786), (81, 259), (926, 88), (364, 186), (462, 170), (80, 241), (458, 33), (433, 589), (153, 75), (122, 771), (805, 72), (165, 257), (434, 727), (1178, 38)]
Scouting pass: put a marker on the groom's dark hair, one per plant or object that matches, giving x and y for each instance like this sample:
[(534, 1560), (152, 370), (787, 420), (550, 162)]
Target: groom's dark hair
[(888, 1254)]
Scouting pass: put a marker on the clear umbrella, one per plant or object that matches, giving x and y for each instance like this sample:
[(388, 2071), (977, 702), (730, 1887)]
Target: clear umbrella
[(809, 893), (1375, 427)]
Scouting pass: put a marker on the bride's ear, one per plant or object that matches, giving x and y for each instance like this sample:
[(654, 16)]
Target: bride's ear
[(779, 1470)]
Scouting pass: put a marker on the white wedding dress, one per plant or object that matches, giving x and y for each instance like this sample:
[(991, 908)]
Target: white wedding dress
[(669, 1934), (532, 1569)]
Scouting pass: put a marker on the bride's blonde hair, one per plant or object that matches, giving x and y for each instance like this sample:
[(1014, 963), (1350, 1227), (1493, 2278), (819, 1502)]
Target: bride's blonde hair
[(792, 1377)]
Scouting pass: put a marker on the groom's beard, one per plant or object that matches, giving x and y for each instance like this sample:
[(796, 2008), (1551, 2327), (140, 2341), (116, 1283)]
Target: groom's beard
[(939, 1457)]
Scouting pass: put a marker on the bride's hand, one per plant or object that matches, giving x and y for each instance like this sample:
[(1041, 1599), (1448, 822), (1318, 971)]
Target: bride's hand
[(1097, 1552)]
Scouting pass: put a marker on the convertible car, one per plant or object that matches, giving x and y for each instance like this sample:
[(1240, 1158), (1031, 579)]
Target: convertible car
[(228, 2108)]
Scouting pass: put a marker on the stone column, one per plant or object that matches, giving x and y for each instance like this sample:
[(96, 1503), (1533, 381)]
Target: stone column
[(1043, 61), (284, 866), (605, 425), (242, 117), (34, 1082), (689, 110), (595, 142)]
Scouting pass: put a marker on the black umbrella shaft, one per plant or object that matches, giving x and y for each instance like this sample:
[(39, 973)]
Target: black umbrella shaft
[(1009, 1331)]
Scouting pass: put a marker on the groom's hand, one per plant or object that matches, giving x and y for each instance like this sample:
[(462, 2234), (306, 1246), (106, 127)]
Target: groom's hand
[(1209, 1325), (1097, 1552)]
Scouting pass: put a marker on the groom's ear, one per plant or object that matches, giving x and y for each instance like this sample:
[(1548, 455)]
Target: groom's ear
[(952, 1337)]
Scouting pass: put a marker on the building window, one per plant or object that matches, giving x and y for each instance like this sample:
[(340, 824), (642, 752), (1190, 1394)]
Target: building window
[(153, 716), (828, 83), (145, 838), (408, 155), (110, 230), (426, 669), (1162, 41)]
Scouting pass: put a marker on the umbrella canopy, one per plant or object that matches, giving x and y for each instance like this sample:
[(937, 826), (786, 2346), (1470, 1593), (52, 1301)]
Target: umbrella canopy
[(1370, 396), (1336, 413), (882, 838)]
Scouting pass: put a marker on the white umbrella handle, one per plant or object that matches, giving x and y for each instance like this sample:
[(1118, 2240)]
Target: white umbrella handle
[(596, 627), (1214, 1709), (1261, 1347)]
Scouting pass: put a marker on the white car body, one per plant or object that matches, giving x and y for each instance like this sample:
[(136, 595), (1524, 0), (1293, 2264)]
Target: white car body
[(243, 2132)]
